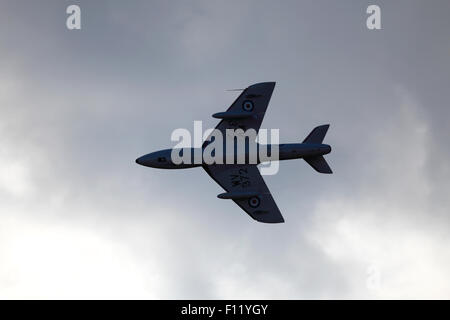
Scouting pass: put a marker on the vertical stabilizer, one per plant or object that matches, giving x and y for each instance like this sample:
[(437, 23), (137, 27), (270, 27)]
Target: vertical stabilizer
[(317, 135)]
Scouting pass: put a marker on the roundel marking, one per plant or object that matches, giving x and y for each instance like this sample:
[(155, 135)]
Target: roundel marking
[(254, 202), (247, 105)]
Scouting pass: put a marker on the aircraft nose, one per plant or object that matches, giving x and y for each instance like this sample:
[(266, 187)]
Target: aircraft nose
[(143, 161)]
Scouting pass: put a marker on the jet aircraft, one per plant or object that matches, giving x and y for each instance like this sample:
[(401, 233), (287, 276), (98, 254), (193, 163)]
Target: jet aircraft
[(243, 183)]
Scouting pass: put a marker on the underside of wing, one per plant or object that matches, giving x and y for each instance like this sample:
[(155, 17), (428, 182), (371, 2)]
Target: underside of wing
[(248, 110), (246, 187)]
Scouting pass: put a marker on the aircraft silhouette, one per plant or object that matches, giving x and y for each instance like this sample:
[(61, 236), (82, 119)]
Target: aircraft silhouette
[(243, 183)]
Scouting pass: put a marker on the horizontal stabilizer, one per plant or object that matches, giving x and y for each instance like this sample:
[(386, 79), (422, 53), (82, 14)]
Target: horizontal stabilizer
[(319, 164), (317, 135)]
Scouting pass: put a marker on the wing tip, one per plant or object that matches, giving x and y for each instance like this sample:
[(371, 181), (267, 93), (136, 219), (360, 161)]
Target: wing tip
[(268, 219), (263, 84)]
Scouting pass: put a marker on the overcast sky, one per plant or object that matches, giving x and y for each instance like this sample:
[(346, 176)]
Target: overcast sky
[(80, 219)]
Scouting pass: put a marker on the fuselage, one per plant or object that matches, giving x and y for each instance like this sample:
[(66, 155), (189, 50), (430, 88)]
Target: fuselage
[(163, 159)]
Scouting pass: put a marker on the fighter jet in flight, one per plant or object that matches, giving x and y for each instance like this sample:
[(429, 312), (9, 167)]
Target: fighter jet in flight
[(243, 183)]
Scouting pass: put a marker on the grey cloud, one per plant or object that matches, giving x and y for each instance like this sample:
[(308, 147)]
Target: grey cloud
[(79, 106)]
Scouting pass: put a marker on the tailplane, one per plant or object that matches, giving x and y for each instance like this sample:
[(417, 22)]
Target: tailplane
[(319, 164), (317, 135)]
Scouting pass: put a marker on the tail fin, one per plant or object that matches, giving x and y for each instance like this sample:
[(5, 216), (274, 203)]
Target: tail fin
[(319, 164), (317, 135)]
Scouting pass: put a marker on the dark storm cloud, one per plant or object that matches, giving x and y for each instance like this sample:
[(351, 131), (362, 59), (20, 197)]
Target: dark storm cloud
[(79, 106)]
